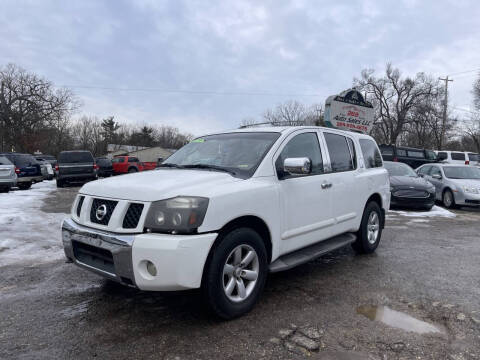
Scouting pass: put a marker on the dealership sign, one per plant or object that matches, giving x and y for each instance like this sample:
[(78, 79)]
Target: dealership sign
[(349, 111)]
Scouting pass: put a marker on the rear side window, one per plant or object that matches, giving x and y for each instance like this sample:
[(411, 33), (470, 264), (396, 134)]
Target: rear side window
[(458, 156), (473, 157), (340, 154), (371, 155), (401, 152), (118, 160), (431, 155), (386, 151), (75, 157), (132, 159), (302, 145), (24, 160), (416, 154)]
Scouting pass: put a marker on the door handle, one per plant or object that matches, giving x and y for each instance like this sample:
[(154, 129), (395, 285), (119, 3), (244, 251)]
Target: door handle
[(326, 185)]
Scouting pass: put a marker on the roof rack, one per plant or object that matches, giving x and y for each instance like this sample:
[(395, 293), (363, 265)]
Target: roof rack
[(275, 123)]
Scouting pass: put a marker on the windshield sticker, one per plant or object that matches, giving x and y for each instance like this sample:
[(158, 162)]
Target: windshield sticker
[(198, 141)]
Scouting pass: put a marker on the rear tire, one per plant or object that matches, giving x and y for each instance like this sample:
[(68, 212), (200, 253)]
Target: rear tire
[(25, 185), (235, 273), (60, 183), (370, 232), (5, 189), (448, 199), (132, 170)]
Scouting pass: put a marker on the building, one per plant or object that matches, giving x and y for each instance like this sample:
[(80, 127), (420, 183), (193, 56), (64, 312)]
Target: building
[(143, 154)]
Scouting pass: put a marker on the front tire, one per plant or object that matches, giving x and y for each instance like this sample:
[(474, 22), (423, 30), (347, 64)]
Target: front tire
[(370, 232), (448, 199), (235, 273), (25, 185)]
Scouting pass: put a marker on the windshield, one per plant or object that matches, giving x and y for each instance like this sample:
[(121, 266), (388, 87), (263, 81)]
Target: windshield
[(399, 169), (461, 172), (240, 152), (75, 157)]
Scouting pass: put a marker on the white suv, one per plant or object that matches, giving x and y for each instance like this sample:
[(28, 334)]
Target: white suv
[(228, 208)]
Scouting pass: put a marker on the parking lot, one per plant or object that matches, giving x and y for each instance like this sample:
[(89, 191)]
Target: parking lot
[(423, 282)]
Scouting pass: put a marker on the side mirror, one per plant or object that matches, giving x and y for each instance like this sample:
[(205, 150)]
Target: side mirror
[(437, 176), (297, 166)]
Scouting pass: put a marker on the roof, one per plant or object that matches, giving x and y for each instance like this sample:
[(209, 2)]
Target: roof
[(288, 129)]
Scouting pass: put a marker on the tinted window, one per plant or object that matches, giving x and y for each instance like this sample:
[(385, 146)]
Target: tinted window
[(424, 170), (401, 152), (75, 157), (5, 161), (458, 156), (431, 155), (474, 157), (104, 162), (302, 145), (416, 154), (118, 160), (340, 156), (132, 159), (386, 151), (23, 160), (371, 155)]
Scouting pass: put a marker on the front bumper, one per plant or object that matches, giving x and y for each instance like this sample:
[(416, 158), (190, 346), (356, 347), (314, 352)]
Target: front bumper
[(412, 202), (179, 259), (467, 199)]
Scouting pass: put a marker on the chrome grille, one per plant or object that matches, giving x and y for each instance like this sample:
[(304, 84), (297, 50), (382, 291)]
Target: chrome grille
[(79, 205), (130, 221), (109, 205), (411, 193)]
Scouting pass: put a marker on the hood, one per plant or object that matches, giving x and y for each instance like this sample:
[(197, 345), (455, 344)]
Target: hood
[(465, 182), (158, 184), (408, 181)]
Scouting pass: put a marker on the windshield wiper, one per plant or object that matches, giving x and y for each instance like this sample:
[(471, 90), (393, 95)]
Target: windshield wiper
[(212, 167), (170, 165)]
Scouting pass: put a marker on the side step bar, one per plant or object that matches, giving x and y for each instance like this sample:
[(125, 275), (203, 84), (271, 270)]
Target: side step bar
[(311, 252)]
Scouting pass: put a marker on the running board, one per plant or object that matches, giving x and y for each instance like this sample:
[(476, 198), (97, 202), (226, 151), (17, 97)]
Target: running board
[(311, 252)]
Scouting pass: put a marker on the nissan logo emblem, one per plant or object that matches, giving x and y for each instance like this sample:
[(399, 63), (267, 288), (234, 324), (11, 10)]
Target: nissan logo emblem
[(101, 212)]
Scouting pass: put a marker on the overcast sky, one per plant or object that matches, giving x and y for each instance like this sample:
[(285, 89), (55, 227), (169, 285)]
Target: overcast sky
[(220, 62)]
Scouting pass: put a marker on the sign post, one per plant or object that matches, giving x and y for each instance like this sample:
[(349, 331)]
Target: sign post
[(349, 111)]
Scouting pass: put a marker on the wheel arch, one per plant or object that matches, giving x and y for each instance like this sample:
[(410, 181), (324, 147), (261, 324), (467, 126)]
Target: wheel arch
[(376, 197)]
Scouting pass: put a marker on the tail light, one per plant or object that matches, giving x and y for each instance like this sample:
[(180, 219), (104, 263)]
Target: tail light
[(467, 162), (395, 159), (56, 167), (17, 170), (95, 166)]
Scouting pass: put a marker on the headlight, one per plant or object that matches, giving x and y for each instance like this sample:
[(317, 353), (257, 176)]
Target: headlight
[(471, 190), (183, 214)]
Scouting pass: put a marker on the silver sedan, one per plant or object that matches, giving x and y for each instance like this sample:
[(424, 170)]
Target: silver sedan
[(454, 184)]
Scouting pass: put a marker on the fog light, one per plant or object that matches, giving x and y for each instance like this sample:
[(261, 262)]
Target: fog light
[(152, 270)]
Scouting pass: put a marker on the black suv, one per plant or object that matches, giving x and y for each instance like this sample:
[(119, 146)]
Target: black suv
[(75, 166), (407, 155), (105, 167), (27, 168)]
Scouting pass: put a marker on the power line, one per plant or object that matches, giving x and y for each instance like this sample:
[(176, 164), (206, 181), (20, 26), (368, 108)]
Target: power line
[(190, 92), (462, 109), (464, 72)]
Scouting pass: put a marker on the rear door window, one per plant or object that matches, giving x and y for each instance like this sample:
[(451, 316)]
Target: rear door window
[(371, 155), (75, 157), (340, 154), (401, 152), (458, 156)]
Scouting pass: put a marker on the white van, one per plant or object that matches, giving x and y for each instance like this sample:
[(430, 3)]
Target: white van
[(458, 157), (226, 209)]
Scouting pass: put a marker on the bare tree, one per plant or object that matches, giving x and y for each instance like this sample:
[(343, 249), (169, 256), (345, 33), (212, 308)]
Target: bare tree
[(476, 93), (29, 105), (395, 99)]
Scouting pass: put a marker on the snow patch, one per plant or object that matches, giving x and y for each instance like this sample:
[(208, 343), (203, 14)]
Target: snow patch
[(436, 211), (29, 235)]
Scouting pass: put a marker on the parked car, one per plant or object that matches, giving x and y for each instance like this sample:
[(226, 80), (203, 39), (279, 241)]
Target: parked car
[(454, 184), (46, 169), (75, 166), (457, 157), (410, 156), (27, 169), (126, 164), (407, 188), (49, 158), (226, 209), (8, 177), (105, 167)]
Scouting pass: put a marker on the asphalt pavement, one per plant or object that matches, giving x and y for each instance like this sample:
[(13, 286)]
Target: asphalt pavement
[(417, 297)]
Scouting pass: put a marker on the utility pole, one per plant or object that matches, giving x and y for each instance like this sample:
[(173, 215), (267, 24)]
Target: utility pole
[(2, 114), (445, 104)]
